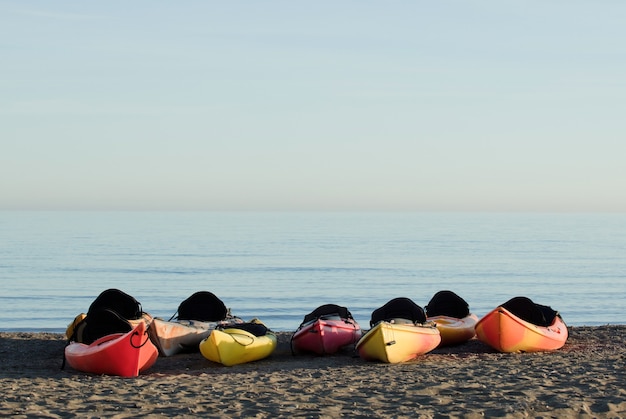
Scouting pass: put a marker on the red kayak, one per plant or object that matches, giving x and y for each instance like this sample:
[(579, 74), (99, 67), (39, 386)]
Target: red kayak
[(326, 330), (326, 335), (123, 354)]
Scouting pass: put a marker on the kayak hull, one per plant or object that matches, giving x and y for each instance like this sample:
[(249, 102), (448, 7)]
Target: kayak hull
[(122, 354), (325, 335), (394, 343), (236, 346), (455, 331), (173, 337), (506, 332)]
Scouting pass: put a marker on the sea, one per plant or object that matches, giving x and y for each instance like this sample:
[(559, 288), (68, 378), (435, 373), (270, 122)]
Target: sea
[(279, 266)]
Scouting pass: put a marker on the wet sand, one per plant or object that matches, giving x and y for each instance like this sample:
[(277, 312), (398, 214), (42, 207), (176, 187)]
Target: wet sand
[(586, 378)]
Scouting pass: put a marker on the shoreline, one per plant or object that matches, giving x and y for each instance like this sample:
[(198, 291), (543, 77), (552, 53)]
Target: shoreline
[(585, 378)]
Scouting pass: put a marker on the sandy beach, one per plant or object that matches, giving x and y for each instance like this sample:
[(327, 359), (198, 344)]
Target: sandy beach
[(586, 378)]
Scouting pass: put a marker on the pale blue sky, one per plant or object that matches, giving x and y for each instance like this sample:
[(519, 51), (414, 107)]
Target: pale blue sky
[(329, 105)]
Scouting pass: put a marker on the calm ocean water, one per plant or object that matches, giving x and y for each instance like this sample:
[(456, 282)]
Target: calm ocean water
[(280, 266)]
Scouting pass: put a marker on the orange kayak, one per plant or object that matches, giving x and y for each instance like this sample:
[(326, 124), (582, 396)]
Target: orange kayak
[(455, 331), (123, 354), (506, 332)]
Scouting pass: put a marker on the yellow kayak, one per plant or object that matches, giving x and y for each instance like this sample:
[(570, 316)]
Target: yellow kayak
[(399, 332), (235, 345), (455, 331), (452, 315), (398, 342)]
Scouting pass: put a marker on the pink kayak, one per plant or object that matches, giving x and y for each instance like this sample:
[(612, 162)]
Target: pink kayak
[(326, 330)]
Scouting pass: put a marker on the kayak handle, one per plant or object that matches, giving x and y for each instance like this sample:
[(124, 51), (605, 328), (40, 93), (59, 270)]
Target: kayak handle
[(137, 334)]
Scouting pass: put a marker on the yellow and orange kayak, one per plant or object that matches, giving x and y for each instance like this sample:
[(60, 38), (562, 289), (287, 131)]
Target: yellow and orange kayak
[(507, 332), (455, 331), (393, 342)]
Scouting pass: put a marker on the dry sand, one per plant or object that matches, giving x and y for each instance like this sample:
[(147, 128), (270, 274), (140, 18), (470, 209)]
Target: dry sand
[(587, 378)]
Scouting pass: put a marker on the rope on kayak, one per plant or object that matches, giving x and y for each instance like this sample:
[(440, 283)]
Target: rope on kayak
[(144, 342), (241, 334), (64, 358), (355, 334), (293, 350)]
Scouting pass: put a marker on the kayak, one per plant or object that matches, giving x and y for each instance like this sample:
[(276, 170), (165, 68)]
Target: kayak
[(123, 354), (455, 331), (513, 328), (326, 330), (325, 335), (238, 344), (172, 337), (399, 332), (112, 311), (452, 316), (398, 341), (195, 318)]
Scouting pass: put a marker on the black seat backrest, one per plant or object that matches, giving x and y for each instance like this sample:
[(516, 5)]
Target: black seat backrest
[(100, 323), (398, 308), (526, 309), (257, 329), (548, 314), (327, 310), (109, 313), (123, 304), (447, 303), (202, 306)]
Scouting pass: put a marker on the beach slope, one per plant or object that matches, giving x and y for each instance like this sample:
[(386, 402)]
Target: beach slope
[(586, 378)]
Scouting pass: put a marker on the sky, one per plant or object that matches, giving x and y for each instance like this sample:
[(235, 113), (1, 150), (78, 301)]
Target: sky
[(328, 105)]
